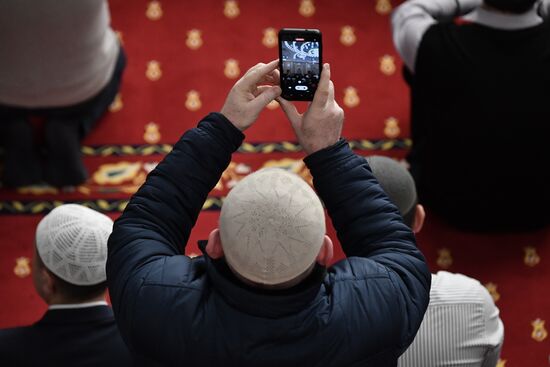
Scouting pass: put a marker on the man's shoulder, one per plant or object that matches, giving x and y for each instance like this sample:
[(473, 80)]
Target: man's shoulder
[(453, 288), (354, 277), (15, 332), (179, 271), (447, 33), (13, 341), (357, 268)]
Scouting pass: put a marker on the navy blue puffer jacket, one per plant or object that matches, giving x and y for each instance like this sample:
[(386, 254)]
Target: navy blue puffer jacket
[(363, 311)]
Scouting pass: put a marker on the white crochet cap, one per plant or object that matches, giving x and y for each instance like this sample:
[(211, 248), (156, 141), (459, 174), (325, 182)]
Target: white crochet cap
[(272, 226), (72, 243)]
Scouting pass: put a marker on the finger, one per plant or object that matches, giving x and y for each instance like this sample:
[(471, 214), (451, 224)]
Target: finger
[(269, 79), (256, 73), (290, 111), (266, 95), (323, 89), (274, 76), (259, 90), (253, 69)]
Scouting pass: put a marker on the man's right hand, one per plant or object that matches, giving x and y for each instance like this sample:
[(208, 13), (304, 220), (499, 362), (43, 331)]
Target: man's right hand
[(321, 125)]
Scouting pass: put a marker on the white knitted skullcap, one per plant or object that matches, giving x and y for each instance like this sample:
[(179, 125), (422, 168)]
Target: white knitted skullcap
[(272, 226), (72, 243)]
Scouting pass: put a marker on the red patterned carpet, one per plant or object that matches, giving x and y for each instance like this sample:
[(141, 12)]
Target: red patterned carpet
[(183, 57)]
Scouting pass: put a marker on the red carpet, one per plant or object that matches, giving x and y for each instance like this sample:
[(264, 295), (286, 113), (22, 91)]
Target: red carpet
[(182, 59)]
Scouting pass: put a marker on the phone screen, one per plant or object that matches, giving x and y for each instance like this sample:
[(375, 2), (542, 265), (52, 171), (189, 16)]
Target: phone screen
[(300, 64)]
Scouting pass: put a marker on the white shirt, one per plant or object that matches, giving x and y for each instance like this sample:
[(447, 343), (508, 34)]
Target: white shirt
[(54, 53), (67, 306), (413, 18), (461, 326)]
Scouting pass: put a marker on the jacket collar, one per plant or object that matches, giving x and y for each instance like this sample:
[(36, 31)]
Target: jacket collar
[(77, 315), (262, 302)]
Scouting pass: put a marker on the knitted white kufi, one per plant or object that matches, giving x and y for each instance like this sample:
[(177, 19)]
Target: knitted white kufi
[(272, 226), (72, 243)]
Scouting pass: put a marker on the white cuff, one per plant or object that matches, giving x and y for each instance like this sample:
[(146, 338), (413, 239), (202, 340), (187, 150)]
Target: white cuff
[(544, 9)]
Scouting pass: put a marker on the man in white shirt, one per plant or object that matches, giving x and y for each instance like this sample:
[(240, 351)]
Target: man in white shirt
[(69, 275), (60, 61), (479, 73), (461, 326)]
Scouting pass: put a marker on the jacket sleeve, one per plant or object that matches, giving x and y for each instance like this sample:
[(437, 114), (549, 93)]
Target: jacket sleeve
[(157, 221), (370, 226)]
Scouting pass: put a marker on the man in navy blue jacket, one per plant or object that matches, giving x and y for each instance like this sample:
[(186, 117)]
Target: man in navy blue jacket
[(363, 311)]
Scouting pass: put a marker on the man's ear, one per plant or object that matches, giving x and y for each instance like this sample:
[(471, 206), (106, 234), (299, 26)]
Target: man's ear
[(214, 247), (419, 217), (43, 280), (326, 252), (46, 287)]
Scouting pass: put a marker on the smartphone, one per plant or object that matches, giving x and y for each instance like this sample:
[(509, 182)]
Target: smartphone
[(300, 60)]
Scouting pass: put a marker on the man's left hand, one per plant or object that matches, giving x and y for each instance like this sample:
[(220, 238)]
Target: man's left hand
[(249, 96)]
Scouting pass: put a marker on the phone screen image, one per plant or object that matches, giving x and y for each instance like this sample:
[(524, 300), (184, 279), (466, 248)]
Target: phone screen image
[(300, 67)]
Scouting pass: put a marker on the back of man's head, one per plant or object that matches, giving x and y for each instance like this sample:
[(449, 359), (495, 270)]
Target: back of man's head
[(512, 6), (71, 243), (272, 227), (398, 183)]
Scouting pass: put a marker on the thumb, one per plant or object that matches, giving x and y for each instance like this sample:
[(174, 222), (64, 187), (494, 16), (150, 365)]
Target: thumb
[(267, 95), (322, 94)]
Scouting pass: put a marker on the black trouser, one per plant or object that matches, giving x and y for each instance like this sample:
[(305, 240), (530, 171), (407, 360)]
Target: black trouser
[(64, 128)]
